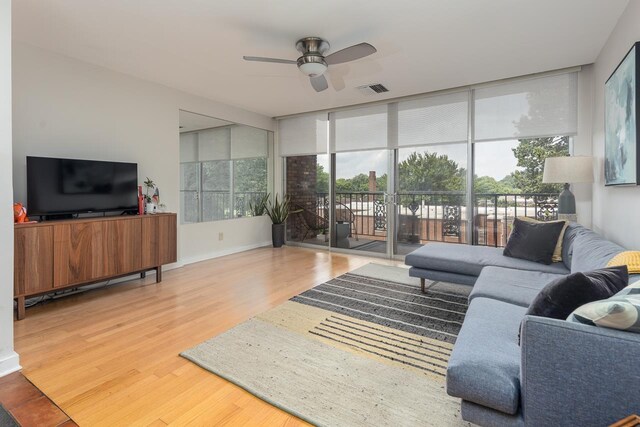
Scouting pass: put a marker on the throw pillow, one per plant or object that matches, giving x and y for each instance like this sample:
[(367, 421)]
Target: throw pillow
[(621, 311), (562, 296), (632, 289), (533, 241), (557, 252), (629, 258)]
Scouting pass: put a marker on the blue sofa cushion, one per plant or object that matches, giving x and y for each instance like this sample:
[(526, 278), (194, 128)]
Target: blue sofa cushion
[(484, 367), (591, 251), (518, 287), (470, 260), (573, 230)]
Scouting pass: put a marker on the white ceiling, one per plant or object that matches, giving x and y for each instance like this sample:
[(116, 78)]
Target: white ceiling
[(423, 45)]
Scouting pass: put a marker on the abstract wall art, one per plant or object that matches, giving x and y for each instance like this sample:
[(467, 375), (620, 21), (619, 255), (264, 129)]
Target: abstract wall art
[(621, 157)]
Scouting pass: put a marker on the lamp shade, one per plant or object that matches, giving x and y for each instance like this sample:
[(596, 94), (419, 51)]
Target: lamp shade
[(559, 170)]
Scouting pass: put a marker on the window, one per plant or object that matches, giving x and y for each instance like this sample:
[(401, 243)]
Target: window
[(224, 170), (449, 166), (508, 184), (189, 187)]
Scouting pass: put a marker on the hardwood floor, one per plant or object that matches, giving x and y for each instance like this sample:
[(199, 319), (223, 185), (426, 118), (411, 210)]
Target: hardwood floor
[(110, 356)]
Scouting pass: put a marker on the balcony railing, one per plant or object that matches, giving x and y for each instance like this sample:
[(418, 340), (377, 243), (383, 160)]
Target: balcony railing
[(435, 216)]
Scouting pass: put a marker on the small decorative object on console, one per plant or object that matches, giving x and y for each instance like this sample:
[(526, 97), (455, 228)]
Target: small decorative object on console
[(149, 200), (19, 213), (140, 201)]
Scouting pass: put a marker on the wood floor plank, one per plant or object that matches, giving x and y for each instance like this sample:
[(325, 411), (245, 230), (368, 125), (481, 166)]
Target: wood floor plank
[(111, 356)]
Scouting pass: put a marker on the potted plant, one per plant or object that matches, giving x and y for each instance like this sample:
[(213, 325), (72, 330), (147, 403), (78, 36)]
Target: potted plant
[(260, 207), (278, 212), (150, 186)]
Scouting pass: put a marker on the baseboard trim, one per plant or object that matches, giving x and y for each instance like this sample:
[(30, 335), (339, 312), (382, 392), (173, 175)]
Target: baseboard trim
[(10, 364), (224, 252)]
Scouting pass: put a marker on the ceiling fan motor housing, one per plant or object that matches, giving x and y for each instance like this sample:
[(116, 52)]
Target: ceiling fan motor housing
[(313, 45), (312, 61)]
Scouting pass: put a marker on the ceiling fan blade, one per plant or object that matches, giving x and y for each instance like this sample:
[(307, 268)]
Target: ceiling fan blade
[(350, 53), (319, 83), (276, 60)]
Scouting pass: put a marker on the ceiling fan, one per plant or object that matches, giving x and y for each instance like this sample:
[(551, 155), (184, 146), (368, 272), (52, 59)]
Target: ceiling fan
[(313, 63)]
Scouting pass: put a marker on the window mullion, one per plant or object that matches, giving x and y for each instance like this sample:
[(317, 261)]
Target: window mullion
[(199, 193)]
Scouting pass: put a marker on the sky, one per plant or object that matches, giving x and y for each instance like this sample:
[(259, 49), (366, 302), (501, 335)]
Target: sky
[(494, 159)]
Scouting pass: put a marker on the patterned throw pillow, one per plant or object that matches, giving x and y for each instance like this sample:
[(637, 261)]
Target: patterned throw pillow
[(629, 258), (621, 311)]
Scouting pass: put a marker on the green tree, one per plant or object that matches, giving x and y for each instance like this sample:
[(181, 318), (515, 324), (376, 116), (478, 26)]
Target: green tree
[(250, 175), (431, 172), (509, 182), (531, 154), (322, 180), (358, 183), (489, 185), (381, 183)]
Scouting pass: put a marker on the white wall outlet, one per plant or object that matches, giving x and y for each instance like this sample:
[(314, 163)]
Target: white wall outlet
[(221, 236)]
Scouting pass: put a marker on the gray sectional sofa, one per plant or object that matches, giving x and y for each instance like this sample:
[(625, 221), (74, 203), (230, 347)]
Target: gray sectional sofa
[(561, 373)]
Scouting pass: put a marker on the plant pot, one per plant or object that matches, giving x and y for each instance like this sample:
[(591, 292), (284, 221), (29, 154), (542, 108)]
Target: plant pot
[(151, 208), (277, 235)]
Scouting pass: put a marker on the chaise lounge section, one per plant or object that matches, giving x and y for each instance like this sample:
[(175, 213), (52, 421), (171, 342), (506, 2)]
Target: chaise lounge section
[(552, 372)]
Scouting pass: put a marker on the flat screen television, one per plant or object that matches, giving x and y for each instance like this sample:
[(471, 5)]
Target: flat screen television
[(63, 187)]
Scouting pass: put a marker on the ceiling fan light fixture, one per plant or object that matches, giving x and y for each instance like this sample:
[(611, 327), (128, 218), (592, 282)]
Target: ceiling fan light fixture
[(312, 65)]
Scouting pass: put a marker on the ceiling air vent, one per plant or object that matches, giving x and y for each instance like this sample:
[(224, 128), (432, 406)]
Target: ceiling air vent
[(372, 89)]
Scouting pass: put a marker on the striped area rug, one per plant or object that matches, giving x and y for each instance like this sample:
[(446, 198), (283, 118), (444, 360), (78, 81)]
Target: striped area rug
[(365, 348), (436, 314)]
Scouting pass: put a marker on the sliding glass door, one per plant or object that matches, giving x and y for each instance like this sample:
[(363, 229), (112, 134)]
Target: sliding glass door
[(360, 178), (431, 196), (360, 203), (432, 171)]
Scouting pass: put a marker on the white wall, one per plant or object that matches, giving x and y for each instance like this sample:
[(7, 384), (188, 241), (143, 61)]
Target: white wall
[(8, 358), (66, 108), (582, 142), (616, 210)]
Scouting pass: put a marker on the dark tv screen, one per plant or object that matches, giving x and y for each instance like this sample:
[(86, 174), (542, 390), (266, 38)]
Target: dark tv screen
[(69, 186)]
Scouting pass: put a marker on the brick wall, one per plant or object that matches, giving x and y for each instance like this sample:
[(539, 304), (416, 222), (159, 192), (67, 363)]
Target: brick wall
[(301, 187)]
